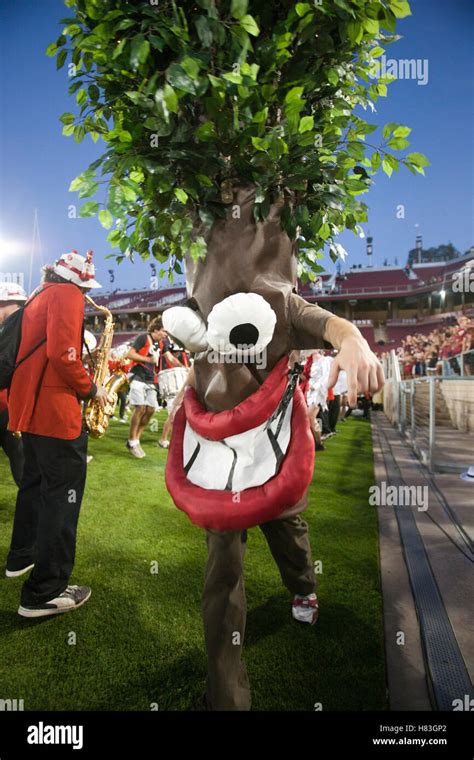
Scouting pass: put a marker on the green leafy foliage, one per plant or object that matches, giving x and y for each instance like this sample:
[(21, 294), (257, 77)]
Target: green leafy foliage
[(192, 98)]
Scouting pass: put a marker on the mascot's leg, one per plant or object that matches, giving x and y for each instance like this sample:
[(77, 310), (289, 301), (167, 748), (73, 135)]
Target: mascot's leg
[(224, 612), (288, 540)]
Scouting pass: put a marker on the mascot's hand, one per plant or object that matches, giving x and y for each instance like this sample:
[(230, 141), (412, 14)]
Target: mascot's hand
[(364, 371)]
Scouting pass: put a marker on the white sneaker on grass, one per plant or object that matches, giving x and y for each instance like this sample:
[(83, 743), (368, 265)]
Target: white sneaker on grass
[(17, 573), (305, 609), (135, 450), (71, 598)]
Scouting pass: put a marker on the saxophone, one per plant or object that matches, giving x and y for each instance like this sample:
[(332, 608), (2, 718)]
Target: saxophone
[(96, 419)]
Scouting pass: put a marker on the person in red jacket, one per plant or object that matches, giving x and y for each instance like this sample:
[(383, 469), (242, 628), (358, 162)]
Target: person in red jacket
[(45, 406), (12, 296)]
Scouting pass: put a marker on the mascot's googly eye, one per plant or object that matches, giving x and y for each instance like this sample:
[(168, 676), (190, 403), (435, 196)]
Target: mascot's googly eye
[(186, 326), (243, 322)]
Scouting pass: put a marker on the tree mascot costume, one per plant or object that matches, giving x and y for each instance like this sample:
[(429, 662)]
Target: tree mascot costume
[(242, 453)]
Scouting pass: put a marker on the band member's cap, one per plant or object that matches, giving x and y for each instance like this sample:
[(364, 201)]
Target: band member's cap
[(10, 291), (77, 269)]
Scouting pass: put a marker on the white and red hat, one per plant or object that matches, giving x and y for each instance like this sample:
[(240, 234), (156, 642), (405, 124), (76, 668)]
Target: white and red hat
[(77, 269), (10, 291)]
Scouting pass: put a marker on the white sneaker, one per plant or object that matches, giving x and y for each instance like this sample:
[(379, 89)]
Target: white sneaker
[(71, 598), (17, 573), (135, 450), (305, 608)]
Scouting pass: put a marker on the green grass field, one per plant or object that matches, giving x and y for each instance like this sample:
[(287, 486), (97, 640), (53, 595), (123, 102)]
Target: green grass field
[(139, 639)]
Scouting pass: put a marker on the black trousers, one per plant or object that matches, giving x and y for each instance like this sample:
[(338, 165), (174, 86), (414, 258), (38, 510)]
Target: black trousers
[(46, 514), (13, 448), (323, 415), (122, 401), (334, 407)]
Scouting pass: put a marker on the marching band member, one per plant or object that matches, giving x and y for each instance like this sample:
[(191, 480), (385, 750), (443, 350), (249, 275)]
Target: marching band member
[(12, 296), (146, 353), (44, 404)]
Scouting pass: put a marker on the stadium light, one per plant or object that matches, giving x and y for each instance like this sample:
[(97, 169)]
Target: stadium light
[(10, 247)]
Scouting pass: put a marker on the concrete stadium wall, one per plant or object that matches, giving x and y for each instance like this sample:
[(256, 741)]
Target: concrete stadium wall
[(459, 397)]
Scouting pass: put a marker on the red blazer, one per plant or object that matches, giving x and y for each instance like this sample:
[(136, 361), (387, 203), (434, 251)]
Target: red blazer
[(46, 387)]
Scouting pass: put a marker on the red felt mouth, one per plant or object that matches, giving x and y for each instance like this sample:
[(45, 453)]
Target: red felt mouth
[(227, 510), (250, 413)]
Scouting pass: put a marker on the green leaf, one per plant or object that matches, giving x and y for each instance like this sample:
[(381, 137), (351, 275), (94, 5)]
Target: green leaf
[(376, 52), (388, 128), (51, 50), (324, 231), (387, 168), (260, 143), (60, 60), (140, 49), (238, 8), (204, 31), (306, 124), (67, 118), (400, 8), (294, 94), (417, 159), (170, 98), (191, 66), (371, 26), (89, 209), (250, 25), (94, 92), (204, 180), (105, 218), (181, 195), (178, 79), (68, 130), (206, 131), (81, 97), (88, 189), (355, 31), (79, 133), (401, 131), (233, 77), (119, 49), (302, 9), (398, 143), (375, 160)]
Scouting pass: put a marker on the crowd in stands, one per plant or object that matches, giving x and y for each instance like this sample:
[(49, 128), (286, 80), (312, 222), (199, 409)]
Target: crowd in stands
[(447, 350)]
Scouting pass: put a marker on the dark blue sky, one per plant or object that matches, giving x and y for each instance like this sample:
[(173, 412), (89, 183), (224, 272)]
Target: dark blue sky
[(37, 163)]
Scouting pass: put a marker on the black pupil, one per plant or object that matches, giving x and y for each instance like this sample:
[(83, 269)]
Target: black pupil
[(244, 335)]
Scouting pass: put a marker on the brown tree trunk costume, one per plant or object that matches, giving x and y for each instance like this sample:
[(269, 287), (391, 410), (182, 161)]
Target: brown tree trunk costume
[(248, 257)]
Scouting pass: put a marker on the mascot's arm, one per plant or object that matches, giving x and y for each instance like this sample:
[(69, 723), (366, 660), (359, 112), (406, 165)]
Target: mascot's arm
[(312, 326)]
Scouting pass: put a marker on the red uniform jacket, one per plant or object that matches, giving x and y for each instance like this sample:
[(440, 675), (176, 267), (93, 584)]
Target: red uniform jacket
[(46, 387), (3, 400)]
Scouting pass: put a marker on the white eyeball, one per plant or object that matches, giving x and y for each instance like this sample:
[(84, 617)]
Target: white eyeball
[(186, 326), (243, 322)]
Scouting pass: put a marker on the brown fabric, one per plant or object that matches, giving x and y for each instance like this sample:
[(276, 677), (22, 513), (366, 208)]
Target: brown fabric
[(246, 257), (224, 604)]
